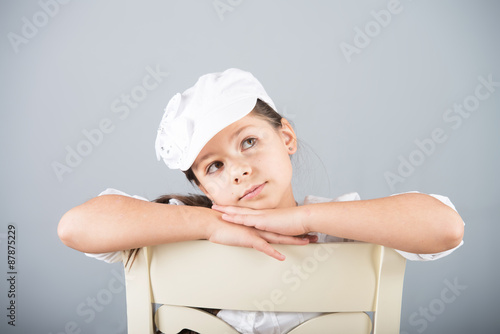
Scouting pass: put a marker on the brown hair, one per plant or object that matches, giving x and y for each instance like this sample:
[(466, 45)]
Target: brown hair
[(262, 110)]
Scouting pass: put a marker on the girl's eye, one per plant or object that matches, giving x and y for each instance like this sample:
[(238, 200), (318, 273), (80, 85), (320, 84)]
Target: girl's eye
[(214, 167), (249, 142)]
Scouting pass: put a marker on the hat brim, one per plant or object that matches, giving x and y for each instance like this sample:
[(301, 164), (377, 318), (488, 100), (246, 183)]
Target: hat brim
[(214, 122)]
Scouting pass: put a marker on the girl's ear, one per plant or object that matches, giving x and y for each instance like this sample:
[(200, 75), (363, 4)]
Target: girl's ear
[(289, 137)]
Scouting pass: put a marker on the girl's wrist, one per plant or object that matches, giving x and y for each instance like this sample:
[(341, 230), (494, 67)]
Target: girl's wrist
[(317, 217), (305, 218), (198, 222), (209, 222)]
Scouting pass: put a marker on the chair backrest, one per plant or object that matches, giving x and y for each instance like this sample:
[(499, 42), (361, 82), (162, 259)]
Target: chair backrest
[(344, 279)]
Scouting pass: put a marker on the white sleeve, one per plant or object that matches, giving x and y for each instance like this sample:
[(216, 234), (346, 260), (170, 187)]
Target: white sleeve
[(431, 257), (112, 257)]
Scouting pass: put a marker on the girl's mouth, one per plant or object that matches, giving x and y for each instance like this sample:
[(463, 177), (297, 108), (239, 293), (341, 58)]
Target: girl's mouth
[(253, 191)]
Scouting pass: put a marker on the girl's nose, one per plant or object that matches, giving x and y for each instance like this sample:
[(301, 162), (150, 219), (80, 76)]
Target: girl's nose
[(239, 172)]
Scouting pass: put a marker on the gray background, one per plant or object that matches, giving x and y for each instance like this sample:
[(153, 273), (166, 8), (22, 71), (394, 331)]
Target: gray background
[(356, 120)]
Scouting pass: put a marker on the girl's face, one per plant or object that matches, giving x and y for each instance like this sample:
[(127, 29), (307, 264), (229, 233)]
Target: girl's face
[(248, 164)]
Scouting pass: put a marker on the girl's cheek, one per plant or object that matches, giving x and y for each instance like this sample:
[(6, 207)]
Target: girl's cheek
[(214, 187)]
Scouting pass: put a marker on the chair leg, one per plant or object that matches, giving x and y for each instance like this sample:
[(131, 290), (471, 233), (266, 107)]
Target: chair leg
[(172, 319)]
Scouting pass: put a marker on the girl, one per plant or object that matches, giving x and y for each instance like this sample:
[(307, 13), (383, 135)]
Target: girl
[(226, 136)]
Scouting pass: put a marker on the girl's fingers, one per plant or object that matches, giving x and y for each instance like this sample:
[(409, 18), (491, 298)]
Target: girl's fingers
[(244, 216), (234, 210), (284, 239), (218, 208), (239, 219), (264, 247)]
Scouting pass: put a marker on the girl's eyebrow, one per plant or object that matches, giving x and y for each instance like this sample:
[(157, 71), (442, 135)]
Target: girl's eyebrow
[(202, 160), (234, 135)]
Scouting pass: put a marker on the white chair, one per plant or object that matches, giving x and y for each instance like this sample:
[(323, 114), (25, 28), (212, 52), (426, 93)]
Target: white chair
[(344, 280)]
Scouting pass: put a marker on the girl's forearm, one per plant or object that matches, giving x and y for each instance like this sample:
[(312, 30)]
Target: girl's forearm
[(113, 222), (415, 223)]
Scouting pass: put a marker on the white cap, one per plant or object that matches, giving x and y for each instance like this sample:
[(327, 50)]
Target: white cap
[(194, 117)]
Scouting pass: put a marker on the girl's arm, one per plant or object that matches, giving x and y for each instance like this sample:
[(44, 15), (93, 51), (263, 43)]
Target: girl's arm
[(412, 222), (111, 223)]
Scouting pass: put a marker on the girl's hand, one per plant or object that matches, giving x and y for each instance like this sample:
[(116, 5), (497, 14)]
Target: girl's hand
[(286, 221), (243, 236)]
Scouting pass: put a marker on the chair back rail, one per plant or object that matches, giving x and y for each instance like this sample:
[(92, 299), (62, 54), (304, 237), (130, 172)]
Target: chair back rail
[(332, 277)]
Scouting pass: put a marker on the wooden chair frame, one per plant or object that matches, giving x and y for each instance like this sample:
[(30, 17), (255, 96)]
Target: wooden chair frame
[(344, 280)]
